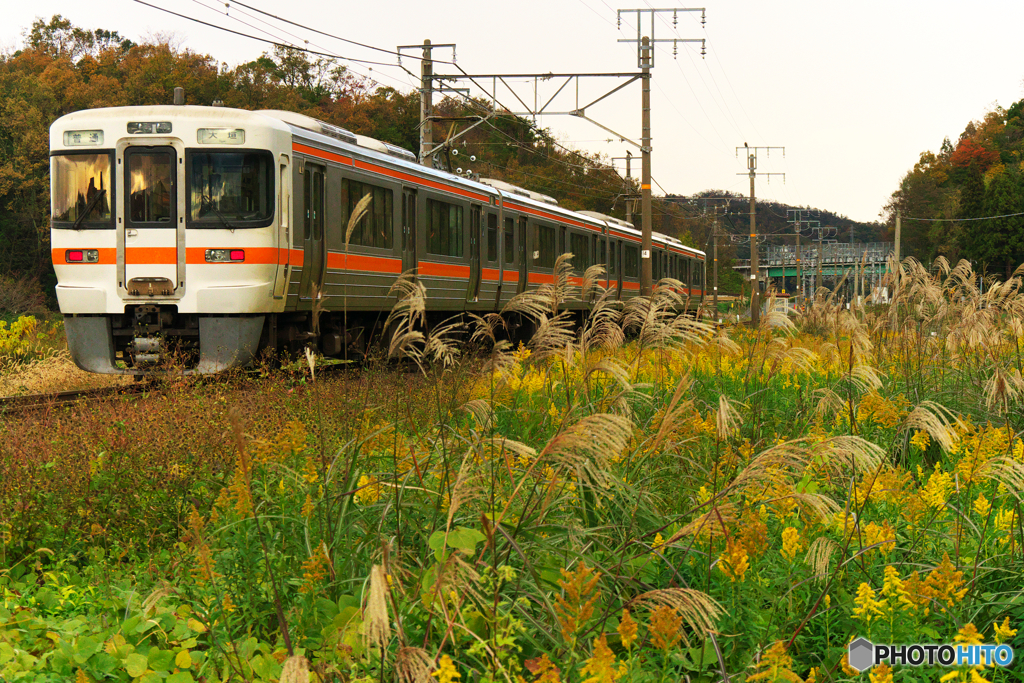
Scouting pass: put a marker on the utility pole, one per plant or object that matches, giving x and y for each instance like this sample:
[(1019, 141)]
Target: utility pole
[(426, 105), (897, 238), (751, 154), (645, 60), (714, 237), (646, 270), (798, 220), (630, 197), (426, 96)]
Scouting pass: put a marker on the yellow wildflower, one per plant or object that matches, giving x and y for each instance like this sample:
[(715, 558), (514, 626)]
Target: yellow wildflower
[(867, 607), (446, 671), (775, 665), (921, 440), (368, 491), (937, 489), (628, 629), (944, 583), (968, 635), (601, 665), (309, 472), (791, 543), (734, 561), (1004, 519), (981, 505), (1003, 631), (703, 495), (656, 543), (892, 586), (881, 673), (880, 533), (665, 627)]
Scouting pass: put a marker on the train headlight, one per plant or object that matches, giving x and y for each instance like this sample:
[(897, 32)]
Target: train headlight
[(225, 255), (82, 256)]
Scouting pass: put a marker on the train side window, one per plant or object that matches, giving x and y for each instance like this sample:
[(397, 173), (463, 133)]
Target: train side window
[(510, 253), (602, 251), (631, 261), (492, 237), (376, 228), (445, 236), (545, 247), (579, 245), (613, 258)]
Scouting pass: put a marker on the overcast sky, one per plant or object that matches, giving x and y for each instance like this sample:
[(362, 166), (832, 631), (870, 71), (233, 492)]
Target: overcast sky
[(854, 92)]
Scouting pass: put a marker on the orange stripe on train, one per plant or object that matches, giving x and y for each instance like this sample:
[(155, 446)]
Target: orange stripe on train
[(443, 269), (361, 262)]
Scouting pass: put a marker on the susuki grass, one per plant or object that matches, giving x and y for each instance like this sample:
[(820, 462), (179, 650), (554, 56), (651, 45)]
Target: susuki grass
[(640, 498)]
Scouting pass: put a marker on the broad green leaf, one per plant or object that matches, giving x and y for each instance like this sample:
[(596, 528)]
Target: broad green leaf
[(136, 664), (183, 660)]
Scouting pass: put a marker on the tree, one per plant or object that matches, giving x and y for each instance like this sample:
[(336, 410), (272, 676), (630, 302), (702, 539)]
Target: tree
[(1001, 242)]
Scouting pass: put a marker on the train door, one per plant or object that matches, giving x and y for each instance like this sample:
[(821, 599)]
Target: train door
[(151, 221), (313, 262), (521, 239), (490, 279), (473, 290), (408, 230), (284, 212)]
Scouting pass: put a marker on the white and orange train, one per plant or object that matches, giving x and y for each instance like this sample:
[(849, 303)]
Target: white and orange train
[(212, 231)]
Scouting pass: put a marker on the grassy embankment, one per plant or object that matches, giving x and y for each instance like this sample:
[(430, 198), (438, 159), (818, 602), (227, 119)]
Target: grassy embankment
[(684, 503)]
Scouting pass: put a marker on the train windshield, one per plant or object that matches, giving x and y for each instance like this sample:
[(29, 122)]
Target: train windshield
[(230, 189), (81, 190)]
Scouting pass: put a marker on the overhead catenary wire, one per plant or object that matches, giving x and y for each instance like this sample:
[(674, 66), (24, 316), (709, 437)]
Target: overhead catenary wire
[(285, 43), (263, 40), (331, 35), (957, 220)]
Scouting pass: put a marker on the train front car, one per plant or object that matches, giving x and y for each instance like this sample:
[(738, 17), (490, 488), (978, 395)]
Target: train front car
[(165, 235)]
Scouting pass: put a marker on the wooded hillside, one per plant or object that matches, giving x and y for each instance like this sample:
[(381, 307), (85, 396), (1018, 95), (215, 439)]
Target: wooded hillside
[(959, 202)]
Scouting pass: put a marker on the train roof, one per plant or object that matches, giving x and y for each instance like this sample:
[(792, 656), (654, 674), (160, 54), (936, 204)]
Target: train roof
[(331, 135)]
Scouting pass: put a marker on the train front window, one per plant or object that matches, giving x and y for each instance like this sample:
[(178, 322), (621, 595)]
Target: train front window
[(81, 190), (230, 189), (149, 175)]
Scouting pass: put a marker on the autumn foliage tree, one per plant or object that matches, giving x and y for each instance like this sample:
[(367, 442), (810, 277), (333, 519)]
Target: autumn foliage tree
[(948, 199)]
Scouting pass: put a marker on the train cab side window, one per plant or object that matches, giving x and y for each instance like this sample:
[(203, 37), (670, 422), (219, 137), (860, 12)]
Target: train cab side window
[(602, 252), (376, 227), (631, 261), (613, 258), (492, 237), (510, 242), (445, 235), (545, 247)]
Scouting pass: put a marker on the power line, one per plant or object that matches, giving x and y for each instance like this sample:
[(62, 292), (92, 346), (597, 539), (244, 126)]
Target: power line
[(263, 40), (957, 220), (331, 35), (288, 44)]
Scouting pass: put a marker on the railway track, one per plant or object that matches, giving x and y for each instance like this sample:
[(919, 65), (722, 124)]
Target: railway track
[(17, 404)]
